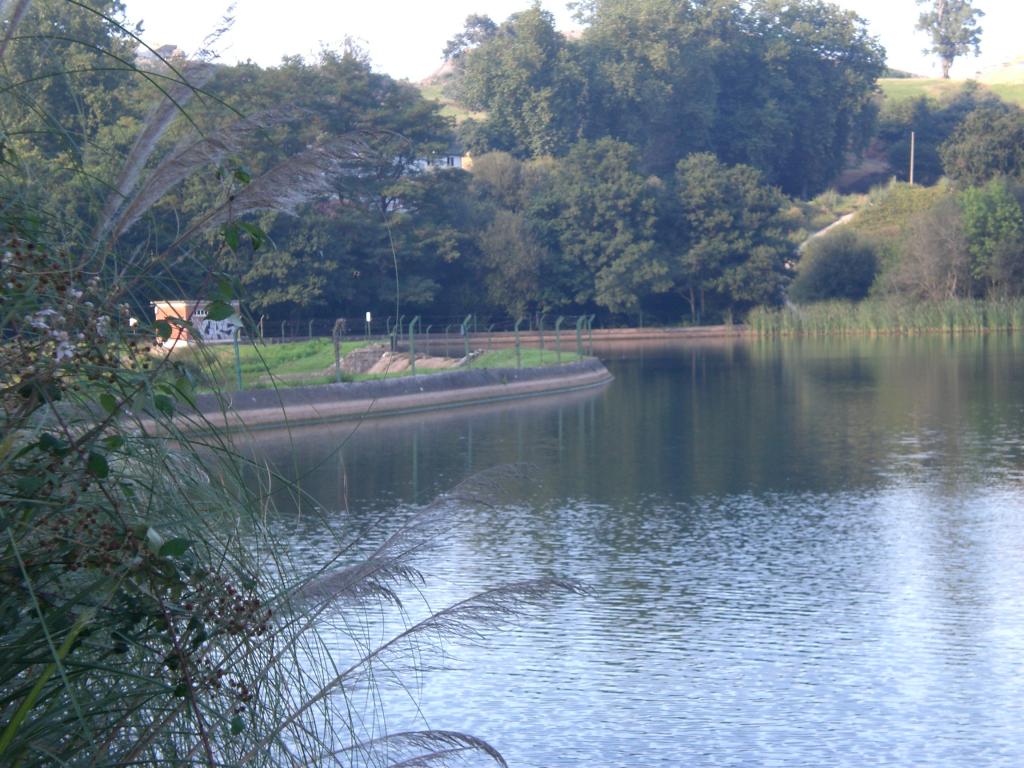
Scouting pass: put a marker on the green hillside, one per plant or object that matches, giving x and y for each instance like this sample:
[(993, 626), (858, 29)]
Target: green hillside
[(1008, 86), (434, 91)]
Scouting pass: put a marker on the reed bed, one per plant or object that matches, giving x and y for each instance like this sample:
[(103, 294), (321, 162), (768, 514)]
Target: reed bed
[(889, 318)]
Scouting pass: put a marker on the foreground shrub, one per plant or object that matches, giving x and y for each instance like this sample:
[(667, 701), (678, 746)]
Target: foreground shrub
[(149, 614)]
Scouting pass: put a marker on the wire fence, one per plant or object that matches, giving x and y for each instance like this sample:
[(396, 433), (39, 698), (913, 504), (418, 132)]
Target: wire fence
[(271, 330)]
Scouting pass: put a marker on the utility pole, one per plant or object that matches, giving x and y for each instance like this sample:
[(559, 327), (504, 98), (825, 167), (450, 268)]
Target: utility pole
[(912, 140)]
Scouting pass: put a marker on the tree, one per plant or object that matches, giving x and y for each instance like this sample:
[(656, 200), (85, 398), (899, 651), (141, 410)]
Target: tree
[(478, 29), (606, 217), (796, 85), (989, 143), (525, 78), (838, 265), (728, 244), (933, 122), (934, 263), (953, 26), (650, 78), (994, 228)]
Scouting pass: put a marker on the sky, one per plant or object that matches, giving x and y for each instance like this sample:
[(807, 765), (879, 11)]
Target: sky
[(404, 38)]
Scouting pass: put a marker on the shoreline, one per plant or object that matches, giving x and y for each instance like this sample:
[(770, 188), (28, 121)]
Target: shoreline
[(531, 337), (301, 406)]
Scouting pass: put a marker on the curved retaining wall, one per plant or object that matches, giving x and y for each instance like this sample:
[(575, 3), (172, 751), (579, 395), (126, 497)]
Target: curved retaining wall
[(264, 408)]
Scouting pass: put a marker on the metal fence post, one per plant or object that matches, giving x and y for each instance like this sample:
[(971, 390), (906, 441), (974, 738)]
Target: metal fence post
[(283, 324), (465, 337), (412, 343), (579, 334), (238, 359), (540, 329), (398, 328), (558, 338), (519, 358), (426, 333), (590, 334), (336, 335), (446, 329), (309, 330)]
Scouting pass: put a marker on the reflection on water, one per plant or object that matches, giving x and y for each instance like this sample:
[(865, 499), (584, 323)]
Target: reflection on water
[(802, 553)]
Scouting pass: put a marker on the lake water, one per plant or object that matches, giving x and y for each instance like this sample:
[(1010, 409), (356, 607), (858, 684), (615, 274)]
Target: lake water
[(801, 553)]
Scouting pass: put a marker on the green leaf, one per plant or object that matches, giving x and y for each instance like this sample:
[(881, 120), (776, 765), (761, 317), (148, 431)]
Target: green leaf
[(164, 404), (109, 402), (114, 442), (223, 290), (237, 725), (232, 236), (96, 465), (53, 444), (181, 690), (242, 175), (174, 547), (163, 329), (256, 234), (219, 310), (28, 485)]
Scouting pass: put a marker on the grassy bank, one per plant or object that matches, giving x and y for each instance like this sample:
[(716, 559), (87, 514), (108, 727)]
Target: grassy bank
[(889, 318), (308, 363), (289, 364)]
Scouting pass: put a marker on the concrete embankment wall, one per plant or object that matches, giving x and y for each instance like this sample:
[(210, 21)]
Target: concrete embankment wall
[(265, 408), (527, 338)]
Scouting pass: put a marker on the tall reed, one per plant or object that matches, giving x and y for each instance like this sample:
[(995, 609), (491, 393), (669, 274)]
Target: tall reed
[(889, 317)]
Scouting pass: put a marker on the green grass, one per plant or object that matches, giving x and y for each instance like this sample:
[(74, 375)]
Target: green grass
[(530, 357), (1010, 92), (309, 363), (905, 89), (296, 363), (449, 108)]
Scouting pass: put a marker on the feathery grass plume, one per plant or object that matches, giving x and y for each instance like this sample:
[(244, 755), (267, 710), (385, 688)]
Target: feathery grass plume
[(291, 183), (177, 96), (189, 157)]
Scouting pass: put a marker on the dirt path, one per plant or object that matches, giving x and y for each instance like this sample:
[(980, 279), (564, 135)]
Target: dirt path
[(396, 362)]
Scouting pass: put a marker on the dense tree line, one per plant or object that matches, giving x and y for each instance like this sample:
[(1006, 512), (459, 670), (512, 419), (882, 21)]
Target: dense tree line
[(310, 185), (785, 87), (639, 169)]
